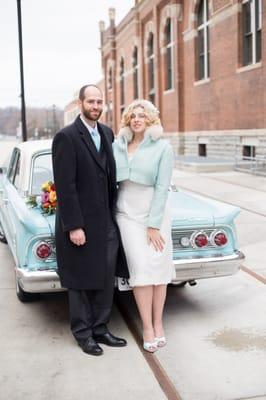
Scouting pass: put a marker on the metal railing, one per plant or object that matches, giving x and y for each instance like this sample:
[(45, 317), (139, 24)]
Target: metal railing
[(252, 164)]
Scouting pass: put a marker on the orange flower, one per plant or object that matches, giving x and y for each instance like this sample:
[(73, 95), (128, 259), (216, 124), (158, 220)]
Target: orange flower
[(52, 196)]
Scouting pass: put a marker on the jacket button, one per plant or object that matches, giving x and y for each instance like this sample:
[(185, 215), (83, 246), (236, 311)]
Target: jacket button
[(101, 176)]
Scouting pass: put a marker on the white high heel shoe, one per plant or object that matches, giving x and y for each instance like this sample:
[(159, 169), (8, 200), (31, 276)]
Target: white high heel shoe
[(161, 341), (151, 347)]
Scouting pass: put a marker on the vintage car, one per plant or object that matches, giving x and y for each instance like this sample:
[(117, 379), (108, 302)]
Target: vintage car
[(203, 230)]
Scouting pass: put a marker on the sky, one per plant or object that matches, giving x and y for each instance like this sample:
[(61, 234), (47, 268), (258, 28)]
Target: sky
[(61, 43)]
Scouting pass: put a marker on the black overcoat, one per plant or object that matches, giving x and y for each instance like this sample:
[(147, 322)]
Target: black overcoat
[(85, 193)]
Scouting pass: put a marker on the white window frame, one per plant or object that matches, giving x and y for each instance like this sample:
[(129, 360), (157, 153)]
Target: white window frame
[(122, 84), (136, 70), (205, 27), (151, 59), (171, 47), (253, 26)]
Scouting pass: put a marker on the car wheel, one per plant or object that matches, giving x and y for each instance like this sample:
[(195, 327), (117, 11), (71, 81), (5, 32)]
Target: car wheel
[(25, 297), (2, 235)]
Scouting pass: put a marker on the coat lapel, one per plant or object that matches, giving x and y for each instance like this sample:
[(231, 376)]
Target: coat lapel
[(86, 137)]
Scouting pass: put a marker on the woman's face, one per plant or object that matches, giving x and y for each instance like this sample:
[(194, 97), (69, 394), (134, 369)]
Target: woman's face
[(138, 121)]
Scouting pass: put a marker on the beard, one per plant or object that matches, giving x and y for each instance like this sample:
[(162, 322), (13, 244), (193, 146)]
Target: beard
[(92, 115)]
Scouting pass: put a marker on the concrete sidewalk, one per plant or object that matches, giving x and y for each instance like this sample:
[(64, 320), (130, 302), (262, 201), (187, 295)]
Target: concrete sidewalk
[(41, 361), (245, 191)]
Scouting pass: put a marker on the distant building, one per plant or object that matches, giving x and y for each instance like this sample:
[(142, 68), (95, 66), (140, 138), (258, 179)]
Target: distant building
[(201, 62), (71, 110)]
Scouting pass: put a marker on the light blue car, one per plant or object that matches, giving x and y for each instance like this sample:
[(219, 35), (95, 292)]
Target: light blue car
[(203, 230)]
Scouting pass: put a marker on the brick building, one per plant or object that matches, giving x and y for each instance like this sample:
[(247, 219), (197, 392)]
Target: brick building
[(202, 62)]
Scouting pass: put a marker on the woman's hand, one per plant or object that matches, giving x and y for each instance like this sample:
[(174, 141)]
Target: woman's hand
[(155, 238)]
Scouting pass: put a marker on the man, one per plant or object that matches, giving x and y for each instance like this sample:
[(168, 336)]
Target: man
[(88, 245)]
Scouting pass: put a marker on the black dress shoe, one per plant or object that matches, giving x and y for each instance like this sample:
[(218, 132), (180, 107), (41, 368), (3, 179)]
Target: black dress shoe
[(91, 347), (110, 340)]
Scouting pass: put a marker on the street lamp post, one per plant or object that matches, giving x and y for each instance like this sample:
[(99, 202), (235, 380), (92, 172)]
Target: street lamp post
[(23, 108)]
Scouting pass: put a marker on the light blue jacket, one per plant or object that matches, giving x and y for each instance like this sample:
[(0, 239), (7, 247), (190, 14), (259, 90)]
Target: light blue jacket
[(151, 164)]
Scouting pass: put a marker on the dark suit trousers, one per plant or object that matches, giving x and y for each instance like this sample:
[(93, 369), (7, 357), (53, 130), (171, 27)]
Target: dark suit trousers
[(90, 309)]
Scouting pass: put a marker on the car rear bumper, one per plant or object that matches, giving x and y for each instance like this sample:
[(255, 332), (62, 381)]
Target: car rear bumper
[(199, 268), (38, 281), (185, 270)]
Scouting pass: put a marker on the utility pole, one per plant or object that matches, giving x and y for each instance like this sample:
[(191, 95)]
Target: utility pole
[(23, 108)]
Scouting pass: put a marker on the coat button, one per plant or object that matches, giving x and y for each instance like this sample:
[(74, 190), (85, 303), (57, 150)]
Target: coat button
[(101, 176)]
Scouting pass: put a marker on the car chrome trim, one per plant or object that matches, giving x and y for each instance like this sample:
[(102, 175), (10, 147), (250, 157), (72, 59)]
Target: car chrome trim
[(38, 281), (236, 255), (34, 156), (207, 267)]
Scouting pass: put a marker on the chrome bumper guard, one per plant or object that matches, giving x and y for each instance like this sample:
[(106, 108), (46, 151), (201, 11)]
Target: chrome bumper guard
[(200, 268), (38, 281)]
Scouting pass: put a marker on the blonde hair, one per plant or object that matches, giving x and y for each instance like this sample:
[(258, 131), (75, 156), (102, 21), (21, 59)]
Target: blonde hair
[(152, 113)]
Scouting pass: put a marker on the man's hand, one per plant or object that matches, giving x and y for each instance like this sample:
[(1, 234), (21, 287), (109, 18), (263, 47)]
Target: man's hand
[(77, 236), (154, 237)]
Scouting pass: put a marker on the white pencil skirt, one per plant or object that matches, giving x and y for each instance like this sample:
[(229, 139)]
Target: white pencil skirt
[(146, 265)]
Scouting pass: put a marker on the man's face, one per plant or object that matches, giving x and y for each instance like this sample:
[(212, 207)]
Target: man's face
[(92, 105)]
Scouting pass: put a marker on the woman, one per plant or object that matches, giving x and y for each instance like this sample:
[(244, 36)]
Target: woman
[(144, 168)]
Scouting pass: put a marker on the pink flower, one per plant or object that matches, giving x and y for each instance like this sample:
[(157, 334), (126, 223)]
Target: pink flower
[(45, 197)]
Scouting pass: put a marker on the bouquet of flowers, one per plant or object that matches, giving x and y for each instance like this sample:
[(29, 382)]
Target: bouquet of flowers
[(48, 198)]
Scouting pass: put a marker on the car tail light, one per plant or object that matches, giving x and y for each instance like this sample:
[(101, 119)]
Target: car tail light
[(199, 239), (185, 241), (42, 250), (219, 238)]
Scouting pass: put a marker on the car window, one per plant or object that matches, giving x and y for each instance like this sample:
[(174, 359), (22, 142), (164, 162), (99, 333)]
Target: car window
[(42, 171), (17, 172), (13, 165)]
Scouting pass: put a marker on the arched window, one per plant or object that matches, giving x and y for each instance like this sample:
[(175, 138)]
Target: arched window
[(151, 88), (169, 56), (203, 49), (251, 28), (135, 73), (122, 85), (110, 78)]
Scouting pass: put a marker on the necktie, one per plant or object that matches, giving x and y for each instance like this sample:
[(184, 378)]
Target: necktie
[(96, 138)]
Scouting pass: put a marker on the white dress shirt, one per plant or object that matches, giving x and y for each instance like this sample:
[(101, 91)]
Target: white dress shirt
[(93, 132)]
